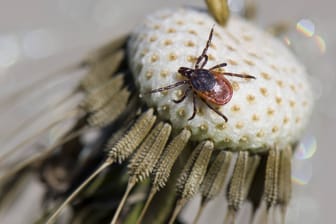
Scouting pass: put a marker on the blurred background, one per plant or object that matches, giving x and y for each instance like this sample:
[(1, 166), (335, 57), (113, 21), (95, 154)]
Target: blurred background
[(40, 36)]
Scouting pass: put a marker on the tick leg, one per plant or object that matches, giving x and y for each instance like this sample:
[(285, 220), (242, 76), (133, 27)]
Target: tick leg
[(194, 111), (215, 110), (199, 60), (168, 87), (239, 75), (218, 66), (204, 53), (208, 42), (185, 94)]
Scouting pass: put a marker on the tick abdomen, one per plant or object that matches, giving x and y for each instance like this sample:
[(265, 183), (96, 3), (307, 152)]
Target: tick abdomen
[(202, 80)]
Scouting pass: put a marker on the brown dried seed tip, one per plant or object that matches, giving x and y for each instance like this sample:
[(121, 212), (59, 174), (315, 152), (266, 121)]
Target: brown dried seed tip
[(235, 108), (154, 58), (168, 42), (172, 56), (250, 98), (219, 10), (190, 43), (264, 91)]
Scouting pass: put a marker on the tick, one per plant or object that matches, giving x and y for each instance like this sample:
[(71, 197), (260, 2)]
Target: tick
[(209, 85)]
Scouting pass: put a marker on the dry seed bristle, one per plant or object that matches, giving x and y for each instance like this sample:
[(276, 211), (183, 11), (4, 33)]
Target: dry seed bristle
[(132, 139), (255, 195), (236, 191), (102, 71), (42, 155), (76, 192), (107, 163), (100, 97), (18, 94), (253, 164), (12, 187), (192, 175), (189, 182), (110, 111), (28, 122), (106, 50), (215, 177), (109, 65), (143, 161), (145, 158), (164, 165), (214, 180), (285, 181), (29, 140), (120, 133), (272, 177), (187, 169)]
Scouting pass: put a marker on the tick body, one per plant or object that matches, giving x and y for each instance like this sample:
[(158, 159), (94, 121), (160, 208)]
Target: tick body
[(209, 85), (212, 86)]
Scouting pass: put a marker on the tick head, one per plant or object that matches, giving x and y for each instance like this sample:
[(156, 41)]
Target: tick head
[(187, 72)]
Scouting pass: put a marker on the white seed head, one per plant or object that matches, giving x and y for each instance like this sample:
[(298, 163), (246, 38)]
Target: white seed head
[(272, 109)]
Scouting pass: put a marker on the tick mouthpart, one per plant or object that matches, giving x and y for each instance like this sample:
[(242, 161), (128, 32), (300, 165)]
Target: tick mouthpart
[(184, 71)]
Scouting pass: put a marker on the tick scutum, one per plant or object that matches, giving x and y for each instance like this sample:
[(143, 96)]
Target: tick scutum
[(202, 80)]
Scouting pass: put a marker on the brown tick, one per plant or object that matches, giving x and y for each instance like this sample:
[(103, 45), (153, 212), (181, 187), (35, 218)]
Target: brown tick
[(208, 84)]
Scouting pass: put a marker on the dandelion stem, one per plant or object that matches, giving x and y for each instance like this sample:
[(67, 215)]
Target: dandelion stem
[(35, 85), (148, 201), (70, 114), (177, 210), (230, 217), (130, 186), (24, 125), (199, 212), (43, 154), (77, 191)]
